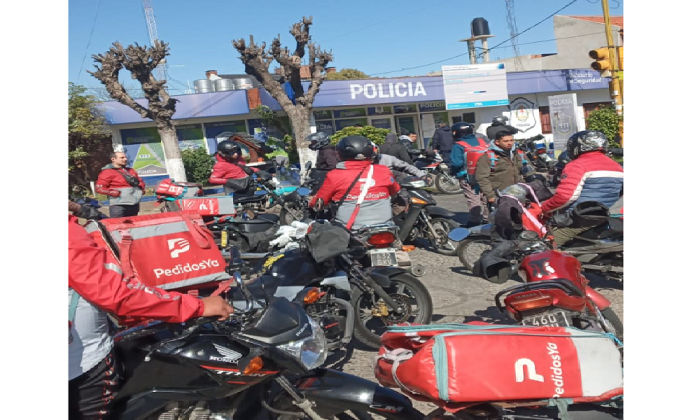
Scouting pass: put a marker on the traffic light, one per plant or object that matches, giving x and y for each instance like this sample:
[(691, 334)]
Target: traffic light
[(602, 63)]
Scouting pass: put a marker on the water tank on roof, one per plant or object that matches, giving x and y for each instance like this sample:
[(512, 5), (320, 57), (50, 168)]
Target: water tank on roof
[(244, 83), (203, 86), (223, 84), (480, 27)]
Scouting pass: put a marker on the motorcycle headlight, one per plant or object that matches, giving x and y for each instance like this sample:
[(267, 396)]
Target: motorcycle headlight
[(443, 166), (311, 351)]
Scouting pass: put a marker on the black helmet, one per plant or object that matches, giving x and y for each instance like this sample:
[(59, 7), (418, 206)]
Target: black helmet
[(318, 140), (499, 120), (586, 141), (228, 147), (355, 148), (462, 129)]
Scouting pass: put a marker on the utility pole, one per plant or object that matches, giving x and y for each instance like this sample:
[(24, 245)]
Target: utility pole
[(615, 77)]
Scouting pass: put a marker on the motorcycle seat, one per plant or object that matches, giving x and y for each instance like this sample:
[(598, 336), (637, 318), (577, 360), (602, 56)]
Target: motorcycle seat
[(260, 219), (242, 199)]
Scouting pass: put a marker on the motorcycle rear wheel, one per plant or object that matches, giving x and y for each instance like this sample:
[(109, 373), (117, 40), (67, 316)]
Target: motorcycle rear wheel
[(447, 184), (417, 299)]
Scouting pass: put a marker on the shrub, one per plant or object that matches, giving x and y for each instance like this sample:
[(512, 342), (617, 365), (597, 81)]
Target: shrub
[(607, 122), (377, 135), (198, 165)]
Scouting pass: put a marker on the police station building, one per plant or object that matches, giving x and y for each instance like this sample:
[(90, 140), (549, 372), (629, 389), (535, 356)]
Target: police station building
[(401, 105)]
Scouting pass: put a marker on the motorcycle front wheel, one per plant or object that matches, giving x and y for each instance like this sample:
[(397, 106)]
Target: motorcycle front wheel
[(447, 184), (442, 243), (373, 316), (470, 250)]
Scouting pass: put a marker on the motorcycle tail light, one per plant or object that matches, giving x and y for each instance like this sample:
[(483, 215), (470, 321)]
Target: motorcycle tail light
[(313, 295), (529, 304), (381, 240), (416, 200), (408, 248), (255, 364)]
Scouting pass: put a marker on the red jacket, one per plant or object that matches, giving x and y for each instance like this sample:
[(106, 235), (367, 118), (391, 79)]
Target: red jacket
[(590, 177), (224, 170), (377, 202), (109, 181), (96, 276)]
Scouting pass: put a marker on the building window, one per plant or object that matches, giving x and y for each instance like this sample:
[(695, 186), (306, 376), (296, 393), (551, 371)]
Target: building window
[(587, 108), (545, 121)]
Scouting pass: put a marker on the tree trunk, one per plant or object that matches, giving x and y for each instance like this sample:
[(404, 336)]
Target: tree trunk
[(300, 117), (173, 157)]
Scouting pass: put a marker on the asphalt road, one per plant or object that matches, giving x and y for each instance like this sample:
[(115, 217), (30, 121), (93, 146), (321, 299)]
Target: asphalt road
[(457, 296)]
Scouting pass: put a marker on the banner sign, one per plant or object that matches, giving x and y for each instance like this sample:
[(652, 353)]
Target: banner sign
[(475, 85), (562, 114)]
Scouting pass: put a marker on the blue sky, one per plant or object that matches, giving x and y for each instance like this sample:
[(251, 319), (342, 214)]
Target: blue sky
[(377, 37)]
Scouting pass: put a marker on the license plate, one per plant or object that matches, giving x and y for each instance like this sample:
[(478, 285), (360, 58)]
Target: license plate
[(549, 319), (383, 257)]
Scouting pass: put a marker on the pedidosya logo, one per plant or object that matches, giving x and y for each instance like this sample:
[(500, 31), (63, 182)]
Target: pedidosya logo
[(177, 246), (185, 268)]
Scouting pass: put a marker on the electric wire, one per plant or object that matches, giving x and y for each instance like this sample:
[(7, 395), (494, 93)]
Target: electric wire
[(94, 21), (480, 54)]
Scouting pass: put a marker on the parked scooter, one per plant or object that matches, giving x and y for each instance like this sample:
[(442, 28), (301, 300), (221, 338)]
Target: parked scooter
[(264, 358), (555, 292), (432, 163), (349, 282), (423, 218)]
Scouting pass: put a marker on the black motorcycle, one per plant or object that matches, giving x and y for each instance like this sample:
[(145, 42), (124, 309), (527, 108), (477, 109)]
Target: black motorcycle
[(432, 163), (423, 218), (349, 282), (260, 360)]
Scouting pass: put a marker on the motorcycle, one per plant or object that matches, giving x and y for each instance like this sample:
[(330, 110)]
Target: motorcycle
[(81, 195), (536, 152), (555, 292), (259, 359), (349, 282), (424, 219), (445, 182), (247, 229), (295, 205), (599, 250)]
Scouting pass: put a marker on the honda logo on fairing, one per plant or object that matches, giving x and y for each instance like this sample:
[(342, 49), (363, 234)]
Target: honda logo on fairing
[(520, 367), (177, 246)]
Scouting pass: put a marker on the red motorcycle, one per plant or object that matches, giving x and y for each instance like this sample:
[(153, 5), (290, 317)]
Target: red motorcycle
[(555, 292)]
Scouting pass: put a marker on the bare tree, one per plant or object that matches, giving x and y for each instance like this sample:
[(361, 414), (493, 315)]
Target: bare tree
[(257, 63), (141, 62)]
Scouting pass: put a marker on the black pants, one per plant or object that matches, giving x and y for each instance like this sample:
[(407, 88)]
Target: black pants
[(91, 394), (124, 210)]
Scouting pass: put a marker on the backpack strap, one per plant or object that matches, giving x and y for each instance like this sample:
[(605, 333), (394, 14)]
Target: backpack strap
[(493, 158), (361, 198)]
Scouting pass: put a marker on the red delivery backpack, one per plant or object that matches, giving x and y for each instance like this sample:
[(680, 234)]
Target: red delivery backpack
[(462, 365), (172, 251)]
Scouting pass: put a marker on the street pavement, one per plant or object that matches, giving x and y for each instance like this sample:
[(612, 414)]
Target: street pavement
[(457, 296)]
